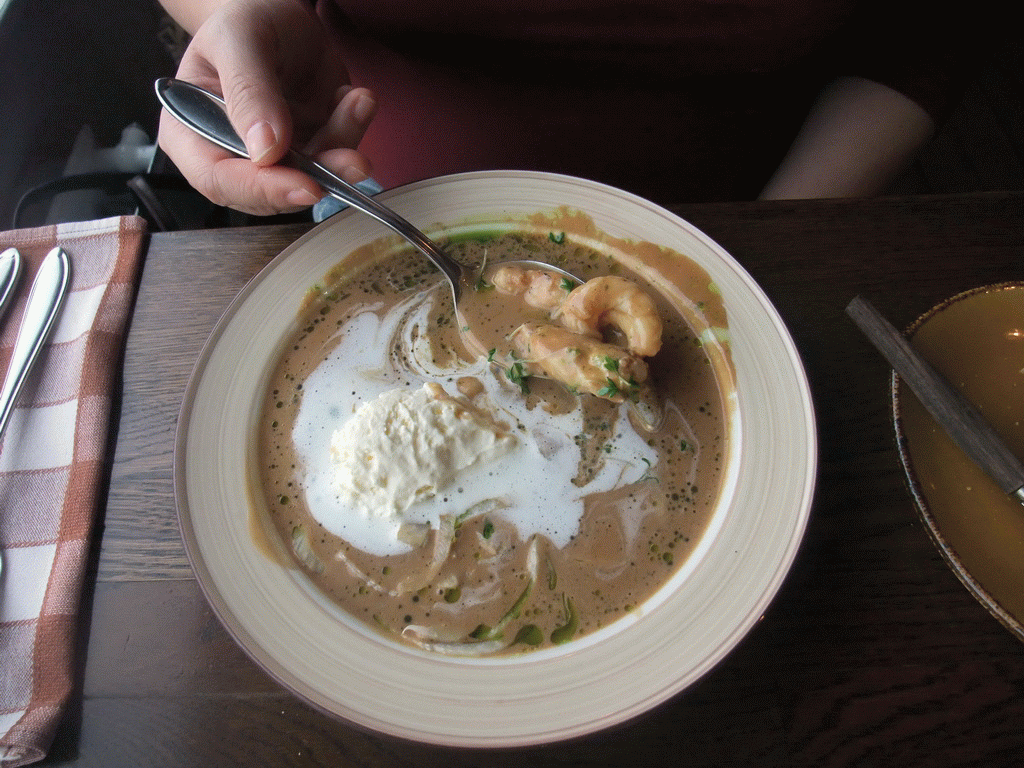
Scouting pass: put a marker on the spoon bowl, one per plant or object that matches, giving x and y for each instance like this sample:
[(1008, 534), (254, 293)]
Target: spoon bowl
[(204, 112)]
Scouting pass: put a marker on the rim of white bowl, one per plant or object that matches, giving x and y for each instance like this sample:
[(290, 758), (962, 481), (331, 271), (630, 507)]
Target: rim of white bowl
[(375, 684)]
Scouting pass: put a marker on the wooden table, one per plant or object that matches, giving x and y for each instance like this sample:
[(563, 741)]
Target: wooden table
[(872, 654)]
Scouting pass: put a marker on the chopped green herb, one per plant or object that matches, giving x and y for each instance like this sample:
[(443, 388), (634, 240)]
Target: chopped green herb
[(567, 284), (517, 375), (611, 364), (488, 529), (611, 389), (559, 238), (490, 355)]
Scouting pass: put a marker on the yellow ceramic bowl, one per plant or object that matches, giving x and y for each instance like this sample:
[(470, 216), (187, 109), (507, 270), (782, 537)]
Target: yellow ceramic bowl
[(976, 339)]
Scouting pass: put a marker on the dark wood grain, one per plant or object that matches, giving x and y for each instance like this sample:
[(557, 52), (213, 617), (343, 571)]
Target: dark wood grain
[(872, 654), (187, 284)]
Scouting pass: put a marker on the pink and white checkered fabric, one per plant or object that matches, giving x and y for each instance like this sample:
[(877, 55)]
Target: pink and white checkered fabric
[(51, 468)]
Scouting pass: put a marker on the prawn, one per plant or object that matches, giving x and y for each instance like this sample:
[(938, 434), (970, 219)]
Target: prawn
[(616, 302), (580, 362), (539, 289)]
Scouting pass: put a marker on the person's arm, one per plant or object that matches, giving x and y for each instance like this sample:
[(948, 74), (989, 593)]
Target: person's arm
[(190, 14), (281, 76), (858, 138)]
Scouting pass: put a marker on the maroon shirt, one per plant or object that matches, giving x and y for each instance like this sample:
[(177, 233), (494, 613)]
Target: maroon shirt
[(677, 101)]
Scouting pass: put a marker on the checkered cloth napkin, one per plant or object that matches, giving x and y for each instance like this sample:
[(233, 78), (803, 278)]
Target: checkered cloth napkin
[(51, 464)]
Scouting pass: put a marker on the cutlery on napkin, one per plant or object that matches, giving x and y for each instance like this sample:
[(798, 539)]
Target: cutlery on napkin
[(955, 414), (44, 302), (52, 460)]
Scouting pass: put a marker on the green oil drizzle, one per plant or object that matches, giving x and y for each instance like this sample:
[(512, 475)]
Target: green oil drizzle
[(567, 631), (529, 634), (483, 632)]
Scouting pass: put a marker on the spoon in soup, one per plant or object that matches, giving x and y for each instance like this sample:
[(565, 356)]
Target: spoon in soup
[(204, 112)]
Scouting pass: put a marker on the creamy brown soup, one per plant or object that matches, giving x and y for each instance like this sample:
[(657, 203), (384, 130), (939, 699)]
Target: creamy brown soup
[(633, 484)]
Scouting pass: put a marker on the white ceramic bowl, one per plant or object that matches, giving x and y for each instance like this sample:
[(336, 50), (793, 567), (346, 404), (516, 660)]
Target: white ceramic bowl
[(315, 650)]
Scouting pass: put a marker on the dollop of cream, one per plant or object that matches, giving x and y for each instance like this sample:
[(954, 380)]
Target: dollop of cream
[(407, 445)]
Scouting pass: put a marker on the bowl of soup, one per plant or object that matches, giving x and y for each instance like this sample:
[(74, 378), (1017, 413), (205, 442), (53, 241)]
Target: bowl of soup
[(516, 523), (976, 340)]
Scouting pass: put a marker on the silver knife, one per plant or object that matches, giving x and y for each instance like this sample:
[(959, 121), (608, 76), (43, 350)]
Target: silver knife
[(44, 302), (10, 272)]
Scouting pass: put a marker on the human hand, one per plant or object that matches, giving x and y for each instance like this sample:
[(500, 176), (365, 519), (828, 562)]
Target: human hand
[(284, 84)]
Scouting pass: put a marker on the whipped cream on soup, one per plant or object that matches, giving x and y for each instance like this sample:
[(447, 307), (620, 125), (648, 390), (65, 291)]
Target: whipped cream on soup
[(406, 446)]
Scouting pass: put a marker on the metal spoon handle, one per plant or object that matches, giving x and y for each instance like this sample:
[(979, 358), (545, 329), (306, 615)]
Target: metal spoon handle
[(44, 301), (347, 193), (204, 113), (10, 271)]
